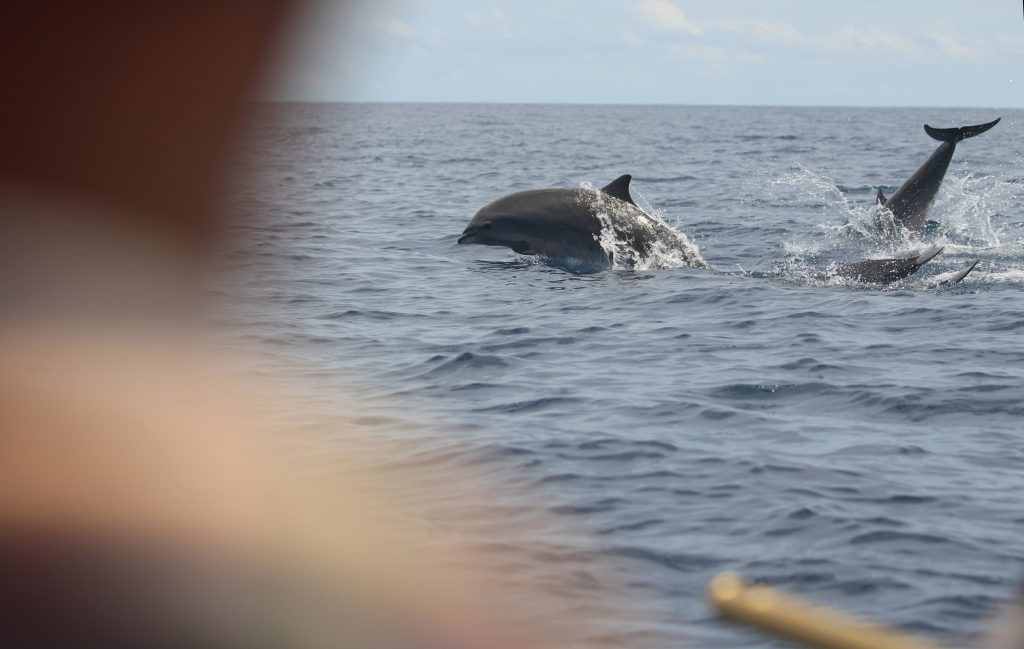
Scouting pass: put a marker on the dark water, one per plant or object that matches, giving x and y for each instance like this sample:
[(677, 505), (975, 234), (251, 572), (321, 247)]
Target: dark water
[(859, 446)]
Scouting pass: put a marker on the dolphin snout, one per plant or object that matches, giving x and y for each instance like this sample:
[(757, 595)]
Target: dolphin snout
[(469, 234)]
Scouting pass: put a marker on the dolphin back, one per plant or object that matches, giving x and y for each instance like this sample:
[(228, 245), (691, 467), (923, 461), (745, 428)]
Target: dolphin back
[(883, 271), (954, 135), (927, 255)]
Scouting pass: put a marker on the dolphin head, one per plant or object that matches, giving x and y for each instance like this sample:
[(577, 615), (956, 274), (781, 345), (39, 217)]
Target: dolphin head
[(501, 223)]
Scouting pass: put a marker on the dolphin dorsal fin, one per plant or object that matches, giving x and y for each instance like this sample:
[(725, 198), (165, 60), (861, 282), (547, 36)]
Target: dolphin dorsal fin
[(956, 279), (880, 198), (619, 188)]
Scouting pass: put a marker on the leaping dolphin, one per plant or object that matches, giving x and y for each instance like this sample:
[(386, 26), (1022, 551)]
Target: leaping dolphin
[(909, 204), (578, 226)]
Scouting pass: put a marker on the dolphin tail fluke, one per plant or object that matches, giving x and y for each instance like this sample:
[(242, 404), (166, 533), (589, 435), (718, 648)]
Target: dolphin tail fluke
[(962, 274), (927, 256), (954, 135)]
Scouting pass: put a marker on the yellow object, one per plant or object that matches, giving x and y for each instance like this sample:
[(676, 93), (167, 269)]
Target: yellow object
[(794, 619)]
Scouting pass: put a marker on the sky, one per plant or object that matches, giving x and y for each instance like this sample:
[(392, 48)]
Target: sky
[(956, 53)]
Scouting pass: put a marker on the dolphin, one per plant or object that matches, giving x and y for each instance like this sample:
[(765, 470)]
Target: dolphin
[(909, 204), (883, 271), (578, 227), (957, 278)]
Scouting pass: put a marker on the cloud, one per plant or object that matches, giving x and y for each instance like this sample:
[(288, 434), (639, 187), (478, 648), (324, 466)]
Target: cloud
[(877, 40), (632, 38), (716, 60), (494, 22), (401, 30), (953, 45), (663, 15), (772, 33), (395, 27), (738, 42), (846, 39)]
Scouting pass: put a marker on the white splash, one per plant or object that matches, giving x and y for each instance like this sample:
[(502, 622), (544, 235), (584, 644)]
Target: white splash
[(978, 218), (669, 248)]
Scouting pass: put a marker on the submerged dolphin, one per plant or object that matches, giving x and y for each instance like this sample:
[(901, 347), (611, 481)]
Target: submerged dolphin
[(883, 271), (955, 279), (909, 204), (887, 271), (579, 226)]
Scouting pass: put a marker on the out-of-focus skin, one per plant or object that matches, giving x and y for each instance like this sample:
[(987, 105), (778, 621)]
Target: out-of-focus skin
[(142, 502), (119, 119), (148, 496), (130, 107), (1006, 630)]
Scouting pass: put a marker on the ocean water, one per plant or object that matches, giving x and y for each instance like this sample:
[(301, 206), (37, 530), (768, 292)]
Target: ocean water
[(859, 446)]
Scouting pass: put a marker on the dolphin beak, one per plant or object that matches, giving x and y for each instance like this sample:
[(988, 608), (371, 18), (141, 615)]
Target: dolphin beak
[(466, 236)]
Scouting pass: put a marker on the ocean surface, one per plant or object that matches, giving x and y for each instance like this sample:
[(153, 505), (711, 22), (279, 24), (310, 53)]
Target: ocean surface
[(860, 446)]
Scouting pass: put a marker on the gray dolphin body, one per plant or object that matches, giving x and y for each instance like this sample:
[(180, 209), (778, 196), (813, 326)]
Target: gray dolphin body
[(909, 204), (887, 271), (883, 271), (568, 223)]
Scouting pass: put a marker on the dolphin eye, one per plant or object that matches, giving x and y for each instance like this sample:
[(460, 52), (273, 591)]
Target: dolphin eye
[(486, 226)]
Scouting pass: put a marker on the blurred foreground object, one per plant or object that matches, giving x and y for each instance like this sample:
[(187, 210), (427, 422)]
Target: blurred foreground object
[(789, 617), (151, 493), (795, 619), (120, 120), (1007, 630), (130, 106), (145, 502)]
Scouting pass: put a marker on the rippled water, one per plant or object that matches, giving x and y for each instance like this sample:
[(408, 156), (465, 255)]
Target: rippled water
[(860, 446)]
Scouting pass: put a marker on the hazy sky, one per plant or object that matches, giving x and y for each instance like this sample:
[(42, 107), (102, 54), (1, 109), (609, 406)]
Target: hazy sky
[(790, 52)]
